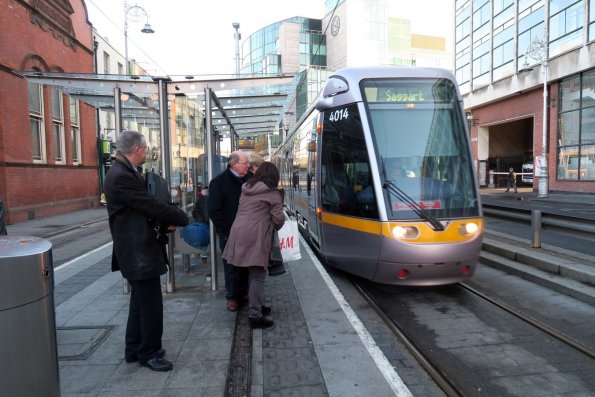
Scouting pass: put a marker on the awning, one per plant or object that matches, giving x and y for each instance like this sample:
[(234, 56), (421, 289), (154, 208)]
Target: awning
[(247, 106)]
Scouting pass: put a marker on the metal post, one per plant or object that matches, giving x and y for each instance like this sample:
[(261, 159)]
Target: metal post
[(544, 175), (118, 119), (146, 29), (118, 110), (166, 168), (536, 228), (237, 37), (210, 158)]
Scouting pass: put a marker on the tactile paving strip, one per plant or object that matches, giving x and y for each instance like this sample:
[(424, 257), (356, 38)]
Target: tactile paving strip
[(239, 370)]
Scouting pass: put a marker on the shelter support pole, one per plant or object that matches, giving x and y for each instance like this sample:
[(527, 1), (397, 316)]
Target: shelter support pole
[(118, 110), (118, 118), (210, 159), (170, 277)]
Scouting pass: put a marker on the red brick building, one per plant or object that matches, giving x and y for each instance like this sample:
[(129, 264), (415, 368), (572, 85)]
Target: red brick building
[(48, 143)]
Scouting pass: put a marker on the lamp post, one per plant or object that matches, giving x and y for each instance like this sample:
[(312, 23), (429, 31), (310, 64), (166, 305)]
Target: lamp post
[(538, 50), (137, 12), (237, 36)]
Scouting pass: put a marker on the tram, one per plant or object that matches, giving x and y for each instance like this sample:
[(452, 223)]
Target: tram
[(378, 172)]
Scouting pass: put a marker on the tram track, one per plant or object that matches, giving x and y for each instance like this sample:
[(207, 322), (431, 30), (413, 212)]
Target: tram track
[(443, 382), (427, 356), (64, 236), (532, 321)]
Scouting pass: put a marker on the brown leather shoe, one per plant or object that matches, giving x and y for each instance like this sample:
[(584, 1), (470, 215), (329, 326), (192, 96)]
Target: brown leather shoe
[(232, 305)]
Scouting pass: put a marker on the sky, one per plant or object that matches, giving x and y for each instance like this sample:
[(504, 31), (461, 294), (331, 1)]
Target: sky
[(192, 36), (197, 36)]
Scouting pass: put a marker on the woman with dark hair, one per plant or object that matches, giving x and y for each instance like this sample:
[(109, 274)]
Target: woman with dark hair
[(249, 244)]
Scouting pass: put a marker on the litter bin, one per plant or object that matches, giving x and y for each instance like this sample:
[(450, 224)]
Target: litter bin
[(28, 348)]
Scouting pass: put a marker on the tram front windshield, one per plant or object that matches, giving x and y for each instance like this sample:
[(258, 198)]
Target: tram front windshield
[(423, 153)]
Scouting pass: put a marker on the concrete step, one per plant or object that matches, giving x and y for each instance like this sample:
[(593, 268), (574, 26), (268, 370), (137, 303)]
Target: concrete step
[(564, 271)]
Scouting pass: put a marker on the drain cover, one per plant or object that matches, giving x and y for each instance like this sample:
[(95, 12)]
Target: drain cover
[(77, 343)]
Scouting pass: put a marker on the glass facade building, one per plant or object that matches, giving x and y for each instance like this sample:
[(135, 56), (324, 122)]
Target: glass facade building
[(290, 46), (496, 42)]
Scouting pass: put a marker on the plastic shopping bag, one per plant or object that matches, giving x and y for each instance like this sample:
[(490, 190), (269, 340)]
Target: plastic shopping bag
[(289, 241)]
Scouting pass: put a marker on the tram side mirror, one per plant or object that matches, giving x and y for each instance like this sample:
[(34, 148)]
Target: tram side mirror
[(312, 146), (334, 86)]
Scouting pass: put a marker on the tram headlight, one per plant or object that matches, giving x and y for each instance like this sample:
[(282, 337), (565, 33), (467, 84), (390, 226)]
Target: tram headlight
[(468, 229), (405, 232)]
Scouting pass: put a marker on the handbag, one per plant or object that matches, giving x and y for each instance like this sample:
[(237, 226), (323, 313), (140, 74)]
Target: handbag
[(276, 260), (289, 241)]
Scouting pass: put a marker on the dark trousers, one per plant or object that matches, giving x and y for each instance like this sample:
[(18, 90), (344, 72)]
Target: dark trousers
[(256, 293), (236, 278), (145, 319)]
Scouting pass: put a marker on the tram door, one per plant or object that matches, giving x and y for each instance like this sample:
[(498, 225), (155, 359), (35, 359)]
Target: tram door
[(349, 211)]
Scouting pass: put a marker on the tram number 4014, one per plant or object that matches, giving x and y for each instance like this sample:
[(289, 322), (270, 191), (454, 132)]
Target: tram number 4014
[(339, 114)]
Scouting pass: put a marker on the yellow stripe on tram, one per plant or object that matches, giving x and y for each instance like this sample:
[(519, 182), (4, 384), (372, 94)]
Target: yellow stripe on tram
[(451, 234)]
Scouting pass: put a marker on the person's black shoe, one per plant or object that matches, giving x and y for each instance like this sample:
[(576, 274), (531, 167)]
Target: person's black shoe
[(134, 358), (158, 364), (265, 310), (260, 322)]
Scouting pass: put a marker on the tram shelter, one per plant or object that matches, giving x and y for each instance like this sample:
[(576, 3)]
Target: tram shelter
[(184, 122)]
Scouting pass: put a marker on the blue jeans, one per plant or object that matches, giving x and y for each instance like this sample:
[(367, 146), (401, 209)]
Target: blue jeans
[(236, 278)]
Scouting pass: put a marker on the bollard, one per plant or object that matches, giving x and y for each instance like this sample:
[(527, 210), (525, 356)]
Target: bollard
[(28, 343), (536, 228)]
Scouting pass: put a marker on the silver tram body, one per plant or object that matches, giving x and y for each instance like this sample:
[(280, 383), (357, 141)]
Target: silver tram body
[(379, 174)]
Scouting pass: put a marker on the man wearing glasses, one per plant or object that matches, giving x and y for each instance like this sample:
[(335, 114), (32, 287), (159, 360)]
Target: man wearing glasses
[(224, 197), (136, 252)]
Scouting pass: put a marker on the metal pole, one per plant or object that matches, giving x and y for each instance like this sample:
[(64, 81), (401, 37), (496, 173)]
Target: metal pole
[(237, 37), (126, 42), (210, 158), (118, 110), (166, 168), (536, 228), (544, 174)]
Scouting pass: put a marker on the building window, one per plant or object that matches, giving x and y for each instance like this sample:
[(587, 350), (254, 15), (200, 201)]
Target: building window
[(566, 26), (36, 122), (58, 125), (576, 128), (75, 131), (106, 61), (530, 27), (120, 68), (591, 20)]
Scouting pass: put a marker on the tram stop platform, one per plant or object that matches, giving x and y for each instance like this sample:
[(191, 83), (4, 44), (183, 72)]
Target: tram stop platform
[(317, 347)]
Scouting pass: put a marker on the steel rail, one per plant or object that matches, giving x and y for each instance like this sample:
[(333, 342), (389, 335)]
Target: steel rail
[(450, 389), (534, 322)]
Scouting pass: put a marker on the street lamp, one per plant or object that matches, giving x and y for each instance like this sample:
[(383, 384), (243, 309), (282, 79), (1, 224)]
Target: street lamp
[(538, 50), (237, 37), (137, 13)]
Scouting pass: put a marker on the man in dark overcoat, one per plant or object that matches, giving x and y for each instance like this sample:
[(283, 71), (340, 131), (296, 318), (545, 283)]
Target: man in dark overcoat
[(136, 252), (224, 197)]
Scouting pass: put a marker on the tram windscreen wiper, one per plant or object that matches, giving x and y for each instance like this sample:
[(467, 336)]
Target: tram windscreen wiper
[(414, 205)]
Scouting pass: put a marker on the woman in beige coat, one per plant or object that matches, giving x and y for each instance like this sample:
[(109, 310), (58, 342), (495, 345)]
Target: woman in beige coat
[(260, 212)]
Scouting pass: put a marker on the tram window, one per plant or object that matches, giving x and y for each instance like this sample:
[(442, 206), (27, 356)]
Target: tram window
[(346, 178), (423, 131)]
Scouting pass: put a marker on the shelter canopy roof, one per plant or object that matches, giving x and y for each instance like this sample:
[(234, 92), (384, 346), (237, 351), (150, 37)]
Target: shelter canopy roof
[(247, 106)]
